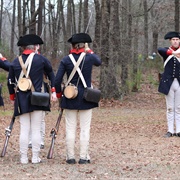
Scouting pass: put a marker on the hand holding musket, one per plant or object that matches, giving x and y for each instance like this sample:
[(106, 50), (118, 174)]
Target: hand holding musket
[(176, 53)]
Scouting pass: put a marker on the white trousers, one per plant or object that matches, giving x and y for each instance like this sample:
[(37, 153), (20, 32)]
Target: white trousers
[(43, 127), (85, 117), (30, 121), (173, 107)]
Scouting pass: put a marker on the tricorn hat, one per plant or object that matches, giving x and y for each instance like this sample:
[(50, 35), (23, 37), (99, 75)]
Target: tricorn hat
[(80, 38), (29, 39), (172, 34)]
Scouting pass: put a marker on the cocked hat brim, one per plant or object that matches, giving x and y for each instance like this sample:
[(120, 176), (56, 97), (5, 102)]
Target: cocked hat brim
[(29, 39), (80, 38), (171, 35)]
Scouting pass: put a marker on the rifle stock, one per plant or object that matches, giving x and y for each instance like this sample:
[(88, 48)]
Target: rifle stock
[(8, 134), (53, 134)]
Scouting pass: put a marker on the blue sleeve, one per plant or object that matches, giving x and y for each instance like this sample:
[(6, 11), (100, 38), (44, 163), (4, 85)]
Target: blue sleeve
[(163, 52), (5, 65)]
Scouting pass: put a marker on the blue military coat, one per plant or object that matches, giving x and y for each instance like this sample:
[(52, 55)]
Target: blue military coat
[(4, 65), (65, 67), (171, 71), (40, 66)]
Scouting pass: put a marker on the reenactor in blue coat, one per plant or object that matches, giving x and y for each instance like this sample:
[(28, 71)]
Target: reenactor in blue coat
[(4, 64), (170, 82), (77, 105), (30, 116)]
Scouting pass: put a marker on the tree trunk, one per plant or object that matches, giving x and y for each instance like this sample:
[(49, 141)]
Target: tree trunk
[(65, 37), (105, 73), (2, 4), (32, 24), (20, 28), (69, 19), (12, 29), (145, 29), (97, 39), (40, 18), (176, 15), (124, 48), (135, 59), (80, 16), (85, 15)]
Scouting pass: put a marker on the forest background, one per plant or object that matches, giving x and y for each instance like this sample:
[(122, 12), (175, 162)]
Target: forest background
[(125, 33), (127, 129)]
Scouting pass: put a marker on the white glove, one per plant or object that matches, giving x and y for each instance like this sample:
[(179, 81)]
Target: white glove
[(53, 96), (86, 47), (177, 53), (1, 56)]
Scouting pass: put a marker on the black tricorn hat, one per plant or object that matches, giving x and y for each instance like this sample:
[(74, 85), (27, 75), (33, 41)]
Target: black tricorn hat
[(80, 38), (172, 34), (29, 39)]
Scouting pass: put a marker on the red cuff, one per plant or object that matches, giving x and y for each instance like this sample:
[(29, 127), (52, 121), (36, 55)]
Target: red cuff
[(59, 95), (90, 51), (12, 97), (169, 52), (53, 89), (3, 59)]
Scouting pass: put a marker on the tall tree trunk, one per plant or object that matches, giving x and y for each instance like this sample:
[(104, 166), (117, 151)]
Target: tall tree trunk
[(114, 39), (80, 16), (155, 40), (97, 38), (135, 58), (40, 18), (104, 74), (24, 17), (2, 4), (124, 47), (69, 19), (85, 15), (65, 37), (73, 17), (176, 15), (32, 24), (146, 42), (20, 28), (12, 28)]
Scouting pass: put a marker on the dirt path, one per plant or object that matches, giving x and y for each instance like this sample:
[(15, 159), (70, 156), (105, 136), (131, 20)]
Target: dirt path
[(126, 143)]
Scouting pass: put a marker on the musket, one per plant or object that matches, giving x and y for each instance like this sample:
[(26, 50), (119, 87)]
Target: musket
[(53, 134), (89, 22), (8, 131)]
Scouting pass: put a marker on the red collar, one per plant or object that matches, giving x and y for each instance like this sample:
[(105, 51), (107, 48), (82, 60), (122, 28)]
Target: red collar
[(76, 51), (174, 48), (28, 51)]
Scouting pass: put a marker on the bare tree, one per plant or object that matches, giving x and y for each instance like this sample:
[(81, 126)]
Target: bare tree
[(12, 28), (85, 12), (80, 16), (40, 17), (176, 15), (145, 28), (2, 4), (32, 21), (97, 34)]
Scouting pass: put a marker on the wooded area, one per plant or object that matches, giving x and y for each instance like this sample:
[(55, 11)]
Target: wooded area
[(124, 33)]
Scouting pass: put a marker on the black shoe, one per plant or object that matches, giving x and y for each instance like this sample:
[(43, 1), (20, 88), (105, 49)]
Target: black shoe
[(30, 146), (168, 134), (42, 146), (83, 161), (71, 161), (178, 134)]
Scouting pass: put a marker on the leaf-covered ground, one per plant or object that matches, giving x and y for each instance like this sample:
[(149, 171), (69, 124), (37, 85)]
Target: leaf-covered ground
[(126, 143)]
